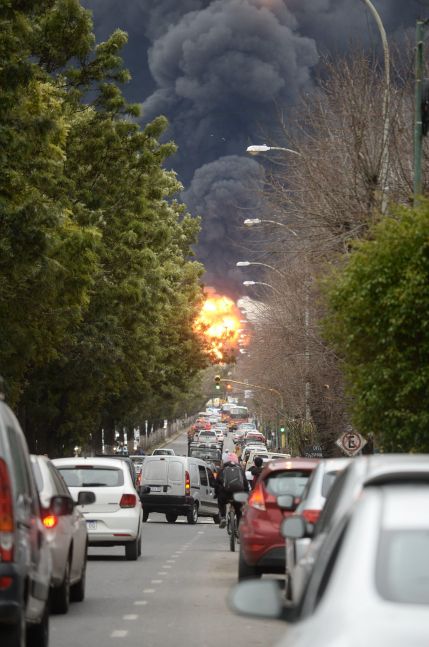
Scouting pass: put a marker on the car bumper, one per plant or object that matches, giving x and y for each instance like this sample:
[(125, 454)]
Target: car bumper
[(179, 505), (10, 597), (115, 528), (262, 545)]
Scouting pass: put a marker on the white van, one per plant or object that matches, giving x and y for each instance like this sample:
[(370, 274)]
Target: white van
[(179, 486)]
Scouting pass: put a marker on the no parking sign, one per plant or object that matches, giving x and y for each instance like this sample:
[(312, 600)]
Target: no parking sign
[(351, 443)]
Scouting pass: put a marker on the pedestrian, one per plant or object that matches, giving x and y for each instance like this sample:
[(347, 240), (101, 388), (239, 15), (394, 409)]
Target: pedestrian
[(256, 469), (230, 479)]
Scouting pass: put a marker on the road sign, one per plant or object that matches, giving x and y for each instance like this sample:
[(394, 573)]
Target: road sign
[(351, 443)]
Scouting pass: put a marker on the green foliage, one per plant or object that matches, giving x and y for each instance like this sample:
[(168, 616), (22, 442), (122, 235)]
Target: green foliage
[(98, 289), (379, 324)]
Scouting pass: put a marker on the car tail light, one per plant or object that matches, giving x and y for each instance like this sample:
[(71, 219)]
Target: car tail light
[(7, 524), (187, 483), (128, 501), (50, 520), (257, 498), (312, 516)]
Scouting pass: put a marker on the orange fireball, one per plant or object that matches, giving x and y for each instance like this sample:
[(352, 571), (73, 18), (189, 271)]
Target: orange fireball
[(219, 323)]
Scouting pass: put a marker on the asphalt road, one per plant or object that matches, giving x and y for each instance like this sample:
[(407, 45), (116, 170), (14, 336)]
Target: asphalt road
[(175, 594)]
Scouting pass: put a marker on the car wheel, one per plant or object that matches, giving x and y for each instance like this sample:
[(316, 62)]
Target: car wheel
[(171, 517), (216, 519), (60, 595), (246, 571), (145, 516), (77, 591), (192, 516), (132, 550), (38, 635)]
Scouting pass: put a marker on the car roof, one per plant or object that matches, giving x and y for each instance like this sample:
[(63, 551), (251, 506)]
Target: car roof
[(279, 464), (90, 460)]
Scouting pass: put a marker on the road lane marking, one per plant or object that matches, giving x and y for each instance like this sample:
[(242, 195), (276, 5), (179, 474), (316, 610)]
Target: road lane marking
[(140, 603), (156, 582), (130, 616), (170, 561), (167, 566), (119, 633), (148, 590), (201, 532), (162, 573)]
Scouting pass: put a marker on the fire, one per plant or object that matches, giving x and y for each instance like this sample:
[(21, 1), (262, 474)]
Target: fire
[(219, 323)]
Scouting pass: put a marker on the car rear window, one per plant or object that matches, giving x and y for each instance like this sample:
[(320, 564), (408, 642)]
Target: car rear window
[(328, 482), (92, 476), (402, 572), (287, 482)]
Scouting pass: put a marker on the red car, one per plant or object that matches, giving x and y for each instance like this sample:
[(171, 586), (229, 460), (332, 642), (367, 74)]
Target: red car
[(262, 548)]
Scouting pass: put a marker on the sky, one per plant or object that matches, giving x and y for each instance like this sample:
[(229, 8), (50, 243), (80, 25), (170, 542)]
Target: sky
[(220, 70)]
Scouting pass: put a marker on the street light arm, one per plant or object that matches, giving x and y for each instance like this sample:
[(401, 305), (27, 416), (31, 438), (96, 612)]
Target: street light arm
[(258, 386), (268, 285), (274, 269), (263, 148)]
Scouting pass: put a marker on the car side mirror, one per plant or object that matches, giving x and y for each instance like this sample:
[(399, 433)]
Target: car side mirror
[(240, 497), (293, 527), (261, 599), (61, 505), (85, 498)]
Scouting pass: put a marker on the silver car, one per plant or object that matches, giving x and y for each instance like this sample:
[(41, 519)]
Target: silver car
[(66, 533), (370, 583)]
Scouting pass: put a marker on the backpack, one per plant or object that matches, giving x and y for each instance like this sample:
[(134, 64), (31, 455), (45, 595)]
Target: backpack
[(233, 478)]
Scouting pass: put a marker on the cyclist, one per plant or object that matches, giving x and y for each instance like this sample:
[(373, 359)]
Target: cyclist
[(230, 479)]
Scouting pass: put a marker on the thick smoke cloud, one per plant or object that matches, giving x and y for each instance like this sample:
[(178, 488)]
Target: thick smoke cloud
[(226, 191), (219, 69)]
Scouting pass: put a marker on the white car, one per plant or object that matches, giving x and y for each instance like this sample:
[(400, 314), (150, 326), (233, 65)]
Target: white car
[(369, 584), (115, 519), (163, 451)]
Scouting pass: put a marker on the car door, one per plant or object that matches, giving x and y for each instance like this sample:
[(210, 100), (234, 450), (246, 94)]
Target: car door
[(204, 489)]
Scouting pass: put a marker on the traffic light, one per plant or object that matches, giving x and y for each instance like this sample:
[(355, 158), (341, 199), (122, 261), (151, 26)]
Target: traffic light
[(217, 382), (282, 430)]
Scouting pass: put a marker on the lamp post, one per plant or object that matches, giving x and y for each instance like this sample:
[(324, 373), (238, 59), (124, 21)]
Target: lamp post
[(251, 222), (247, 263), (263, 148), (386, 107)]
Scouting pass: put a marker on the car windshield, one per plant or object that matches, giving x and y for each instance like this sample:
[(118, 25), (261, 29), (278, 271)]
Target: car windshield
[(206, 454), (92, 476), (287, 482), (402, 572)]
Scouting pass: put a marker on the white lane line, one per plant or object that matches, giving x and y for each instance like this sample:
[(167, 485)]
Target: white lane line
[(156, 581), (130, 616), (119, 633), (140, 603), (162, 573), (167, 566), (148, 590), (201, 532), (170, 561)]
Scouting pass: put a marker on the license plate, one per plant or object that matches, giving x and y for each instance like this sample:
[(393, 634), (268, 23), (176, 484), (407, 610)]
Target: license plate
[(155, 488), (91, 525)]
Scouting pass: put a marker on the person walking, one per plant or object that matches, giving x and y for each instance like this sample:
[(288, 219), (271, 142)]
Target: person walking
[(230, 479)]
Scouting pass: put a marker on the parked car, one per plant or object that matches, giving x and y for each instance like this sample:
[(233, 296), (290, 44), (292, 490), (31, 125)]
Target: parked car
[(179, 486), (66, 533), (163, 451), (262, 547), (362, 472), (313, 499), (375, 555), (25, 558), (115, 518)]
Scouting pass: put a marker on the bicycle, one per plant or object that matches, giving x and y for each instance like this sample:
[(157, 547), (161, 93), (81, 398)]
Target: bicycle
[(231, 525)]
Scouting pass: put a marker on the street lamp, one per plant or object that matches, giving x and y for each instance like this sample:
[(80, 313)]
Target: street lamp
[(255, 150), (247, 263), (251, 222), (247, 283)]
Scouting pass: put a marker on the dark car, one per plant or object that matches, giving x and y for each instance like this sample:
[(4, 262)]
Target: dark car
[(25, 560), (262, 547)]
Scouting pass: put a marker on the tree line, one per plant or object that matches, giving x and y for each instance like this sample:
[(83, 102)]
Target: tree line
[(98, 287), (344, 332)]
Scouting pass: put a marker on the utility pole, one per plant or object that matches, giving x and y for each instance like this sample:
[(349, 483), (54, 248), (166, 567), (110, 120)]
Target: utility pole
[(418, 132)]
